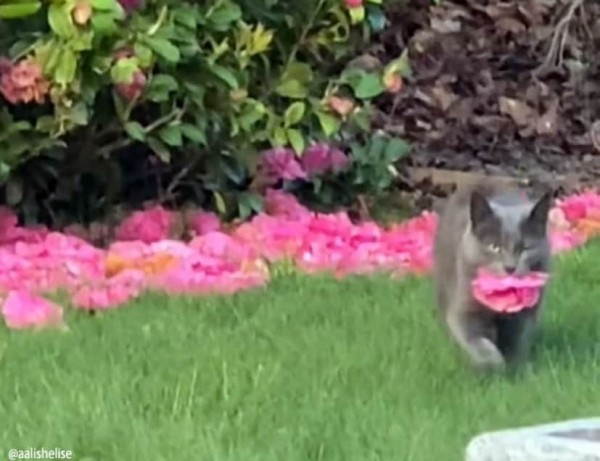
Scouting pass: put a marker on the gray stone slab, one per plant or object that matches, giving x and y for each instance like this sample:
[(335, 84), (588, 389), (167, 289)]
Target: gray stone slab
[(575, 440)]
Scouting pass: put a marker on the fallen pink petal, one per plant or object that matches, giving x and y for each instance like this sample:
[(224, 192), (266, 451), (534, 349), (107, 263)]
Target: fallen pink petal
[(22, 310), (37, 261)]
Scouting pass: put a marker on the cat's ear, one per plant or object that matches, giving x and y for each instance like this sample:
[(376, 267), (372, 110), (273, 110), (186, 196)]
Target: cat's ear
[(537, 221), (480, 210)]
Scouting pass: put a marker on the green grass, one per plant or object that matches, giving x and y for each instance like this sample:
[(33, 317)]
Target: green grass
[(308, 369)]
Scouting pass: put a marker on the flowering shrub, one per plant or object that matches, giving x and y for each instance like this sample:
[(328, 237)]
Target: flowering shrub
[(327, 177), (184, 94)]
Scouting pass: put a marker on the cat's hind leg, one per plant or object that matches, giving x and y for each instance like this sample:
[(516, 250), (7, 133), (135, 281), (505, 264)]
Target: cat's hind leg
[(515, 335)]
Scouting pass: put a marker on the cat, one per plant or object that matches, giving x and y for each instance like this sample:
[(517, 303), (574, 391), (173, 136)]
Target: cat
[(505, 230)]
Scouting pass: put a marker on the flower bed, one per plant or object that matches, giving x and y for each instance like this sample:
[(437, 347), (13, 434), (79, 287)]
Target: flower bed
[(37, 261)]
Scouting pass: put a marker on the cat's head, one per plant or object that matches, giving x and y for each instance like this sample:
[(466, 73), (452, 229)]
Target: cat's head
[(510, 231)]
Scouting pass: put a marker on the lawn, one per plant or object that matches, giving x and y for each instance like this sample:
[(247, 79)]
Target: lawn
[(308, 369)]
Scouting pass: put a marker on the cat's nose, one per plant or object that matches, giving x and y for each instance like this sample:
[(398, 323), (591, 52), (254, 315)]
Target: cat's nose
[(510, 268)]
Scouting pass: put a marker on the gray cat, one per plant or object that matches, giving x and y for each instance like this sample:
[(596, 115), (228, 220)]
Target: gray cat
[(505, 230)]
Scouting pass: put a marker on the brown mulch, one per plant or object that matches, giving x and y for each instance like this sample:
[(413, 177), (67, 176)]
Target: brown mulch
[(483, 99)]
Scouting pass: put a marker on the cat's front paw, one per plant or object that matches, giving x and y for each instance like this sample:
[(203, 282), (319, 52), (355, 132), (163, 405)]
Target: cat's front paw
[(486, 356)]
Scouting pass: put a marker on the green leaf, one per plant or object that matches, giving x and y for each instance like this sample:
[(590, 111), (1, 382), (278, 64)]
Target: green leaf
[(171, 134), (294, 114), (161, 151), (377, 147), (81, 42), (362, 119), (66, 67), (226, 75), (330, 124), (233, 169), (376, 18), (279, 137), (293, 83), (248, 203), (160, 86), (79, 114), (193, 133), (163, 48), (196, 92), (296, 140), (144, 54), (104, 23), (184, 18), (357, 14), (220, 203), (104, 5), (122, 109), (369, 86), (395, 150), (50, 61), (135, 131), (292, 89), (14, 191), (45, 124), (19, 10), (15, 126), (60, 20), (298, 71), (253, 112), (224, 14), (4, 171), (359, 153), (122, 71), (401, 65)]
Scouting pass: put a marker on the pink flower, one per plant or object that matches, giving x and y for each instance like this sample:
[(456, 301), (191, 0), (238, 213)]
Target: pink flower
[(23, 82), (133, 89), (21, 310), (130, 5), (557, 219), (147, 226), (273, 238), (565, 240), (410, 244), (280, 163), (222, 246), (284, 204), (203, 222), (204, 274), (109, 293), (580, 206), (353, 3), (507, 294), (8, 218), (336, 245), (322, 158)]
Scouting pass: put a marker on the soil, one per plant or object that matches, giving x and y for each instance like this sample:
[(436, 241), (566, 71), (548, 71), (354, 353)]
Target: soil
[(490, 95)]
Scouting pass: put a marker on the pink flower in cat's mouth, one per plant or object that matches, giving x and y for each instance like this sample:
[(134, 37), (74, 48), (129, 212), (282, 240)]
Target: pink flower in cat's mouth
[(508, 293)]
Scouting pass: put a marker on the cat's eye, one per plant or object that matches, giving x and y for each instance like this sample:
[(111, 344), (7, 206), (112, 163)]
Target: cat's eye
[(524, 246), (493, 248)]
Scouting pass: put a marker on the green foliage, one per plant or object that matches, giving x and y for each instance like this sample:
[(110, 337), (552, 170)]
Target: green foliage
[(204, 86), (371, 174)]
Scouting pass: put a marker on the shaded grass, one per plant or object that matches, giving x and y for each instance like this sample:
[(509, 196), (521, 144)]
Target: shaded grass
[(308, 369)]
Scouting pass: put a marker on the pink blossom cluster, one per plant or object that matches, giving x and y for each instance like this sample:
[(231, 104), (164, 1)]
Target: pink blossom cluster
[(282, 163), (145, 256), (23, 81)]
